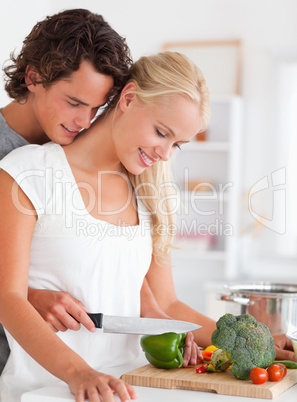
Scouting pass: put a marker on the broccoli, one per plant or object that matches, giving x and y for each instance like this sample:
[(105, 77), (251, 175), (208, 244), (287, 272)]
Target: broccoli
[(246, 342)]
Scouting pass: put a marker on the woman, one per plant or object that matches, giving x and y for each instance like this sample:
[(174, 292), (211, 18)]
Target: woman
[(87, 218)]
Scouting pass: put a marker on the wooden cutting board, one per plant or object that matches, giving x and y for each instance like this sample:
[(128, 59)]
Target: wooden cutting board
[(220, 383)]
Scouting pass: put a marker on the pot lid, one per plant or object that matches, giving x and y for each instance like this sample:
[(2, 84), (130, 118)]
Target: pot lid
[(263, 289)]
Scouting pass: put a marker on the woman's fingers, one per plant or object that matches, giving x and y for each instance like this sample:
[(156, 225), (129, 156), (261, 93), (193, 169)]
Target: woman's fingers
[(191, 351), (198, 355)]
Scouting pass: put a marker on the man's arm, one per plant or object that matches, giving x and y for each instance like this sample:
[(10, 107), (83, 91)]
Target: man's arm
[(60, 310)]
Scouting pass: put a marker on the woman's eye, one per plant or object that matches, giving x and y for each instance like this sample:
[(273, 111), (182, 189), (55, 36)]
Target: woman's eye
[(160, 134), (164, 136)]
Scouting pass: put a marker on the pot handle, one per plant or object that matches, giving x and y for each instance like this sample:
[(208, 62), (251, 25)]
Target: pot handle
[(243, 301)]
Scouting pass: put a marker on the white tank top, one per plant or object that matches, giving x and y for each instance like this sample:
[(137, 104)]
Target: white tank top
[(98, 263)]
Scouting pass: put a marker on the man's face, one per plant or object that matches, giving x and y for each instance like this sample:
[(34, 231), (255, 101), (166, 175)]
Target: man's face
[(69, 105)]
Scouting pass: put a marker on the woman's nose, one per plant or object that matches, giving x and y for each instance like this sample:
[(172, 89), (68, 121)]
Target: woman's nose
[(165, 152)]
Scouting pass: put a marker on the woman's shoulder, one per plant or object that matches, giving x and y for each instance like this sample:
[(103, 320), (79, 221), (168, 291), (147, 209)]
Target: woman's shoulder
[(33, 168), (34, 149), (31, 156)]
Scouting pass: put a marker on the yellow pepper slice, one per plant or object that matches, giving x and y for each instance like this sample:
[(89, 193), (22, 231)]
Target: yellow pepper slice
[(210, 348)]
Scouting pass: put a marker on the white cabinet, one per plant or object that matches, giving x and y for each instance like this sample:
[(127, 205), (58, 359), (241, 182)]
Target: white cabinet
[(208, 174)]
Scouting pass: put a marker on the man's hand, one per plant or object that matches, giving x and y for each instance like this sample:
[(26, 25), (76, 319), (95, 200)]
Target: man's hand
[(94, 386), (283, 347), (60, 310)]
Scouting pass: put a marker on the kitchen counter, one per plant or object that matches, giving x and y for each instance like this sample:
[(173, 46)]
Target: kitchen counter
[(61, 393)]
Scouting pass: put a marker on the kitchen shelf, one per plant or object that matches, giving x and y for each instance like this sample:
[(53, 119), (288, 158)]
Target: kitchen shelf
[(217, 161), (204, 146)]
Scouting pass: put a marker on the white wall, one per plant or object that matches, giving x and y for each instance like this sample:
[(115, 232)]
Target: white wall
[(267, 28)]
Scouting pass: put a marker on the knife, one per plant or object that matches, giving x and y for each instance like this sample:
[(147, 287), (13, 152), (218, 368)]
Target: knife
[(140, 326)]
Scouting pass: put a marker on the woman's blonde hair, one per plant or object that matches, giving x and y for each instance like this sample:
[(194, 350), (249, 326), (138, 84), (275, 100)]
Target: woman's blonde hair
[(156, 77)]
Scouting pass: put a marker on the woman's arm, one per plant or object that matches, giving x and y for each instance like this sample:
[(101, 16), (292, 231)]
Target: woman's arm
[(151, 309), (284, 348), (149, 305), (20, 318), (160, 281)]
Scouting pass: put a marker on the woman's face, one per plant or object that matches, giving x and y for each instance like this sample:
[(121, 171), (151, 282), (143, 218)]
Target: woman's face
[(144, 135)]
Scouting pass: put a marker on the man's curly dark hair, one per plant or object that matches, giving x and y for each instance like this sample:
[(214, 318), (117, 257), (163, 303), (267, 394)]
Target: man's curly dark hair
[(57, 45)]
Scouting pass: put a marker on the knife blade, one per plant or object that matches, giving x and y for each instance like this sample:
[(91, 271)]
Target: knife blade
[(140, 326)]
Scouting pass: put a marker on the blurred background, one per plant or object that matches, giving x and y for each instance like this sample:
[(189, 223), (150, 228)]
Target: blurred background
[(238, 181)]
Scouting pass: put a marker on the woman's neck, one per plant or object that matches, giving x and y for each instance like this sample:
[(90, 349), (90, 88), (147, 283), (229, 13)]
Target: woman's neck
[(94, 150)]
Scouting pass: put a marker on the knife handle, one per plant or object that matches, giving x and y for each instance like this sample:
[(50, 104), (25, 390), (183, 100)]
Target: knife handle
[(97, 319)]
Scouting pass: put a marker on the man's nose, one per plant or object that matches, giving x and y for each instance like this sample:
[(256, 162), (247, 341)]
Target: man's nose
[(84, 118)]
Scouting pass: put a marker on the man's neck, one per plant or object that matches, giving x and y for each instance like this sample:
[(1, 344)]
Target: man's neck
[(20, 118)]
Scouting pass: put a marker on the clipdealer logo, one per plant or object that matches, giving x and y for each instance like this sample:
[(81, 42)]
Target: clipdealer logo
[(276, 186), (59, 196)]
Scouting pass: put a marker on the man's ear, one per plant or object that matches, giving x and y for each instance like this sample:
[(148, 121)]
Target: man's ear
[(127, 95), (31, 78)]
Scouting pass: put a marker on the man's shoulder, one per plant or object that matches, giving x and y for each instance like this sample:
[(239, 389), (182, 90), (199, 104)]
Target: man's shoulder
[(9, 139)]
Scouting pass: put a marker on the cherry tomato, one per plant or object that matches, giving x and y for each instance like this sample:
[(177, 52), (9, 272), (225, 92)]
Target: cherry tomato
[(274, 372), (283, 368), (258, 375)]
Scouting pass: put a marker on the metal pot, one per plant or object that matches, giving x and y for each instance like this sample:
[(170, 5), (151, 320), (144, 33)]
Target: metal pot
[(273, 304)]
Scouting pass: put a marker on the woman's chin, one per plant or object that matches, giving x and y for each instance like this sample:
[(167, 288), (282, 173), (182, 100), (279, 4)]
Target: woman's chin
[(135, 170)]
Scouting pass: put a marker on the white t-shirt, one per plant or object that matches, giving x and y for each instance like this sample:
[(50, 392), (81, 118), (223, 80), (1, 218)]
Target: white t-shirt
[(98, 263)]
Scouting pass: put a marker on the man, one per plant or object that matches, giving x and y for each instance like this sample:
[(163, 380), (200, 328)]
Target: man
[(70, 65)]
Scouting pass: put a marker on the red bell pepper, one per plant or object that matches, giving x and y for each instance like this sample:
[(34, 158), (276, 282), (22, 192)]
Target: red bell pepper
[(202, 369), (206, 355)]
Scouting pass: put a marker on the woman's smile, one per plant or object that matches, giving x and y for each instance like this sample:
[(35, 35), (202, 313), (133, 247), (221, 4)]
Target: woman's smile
[(145, 159)]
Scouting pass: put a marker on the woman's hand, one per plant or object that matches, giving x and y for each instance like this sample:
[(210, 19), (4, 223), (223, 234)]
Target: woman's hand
[(60, 310), (90, 385), (191, 351), (283, 347)]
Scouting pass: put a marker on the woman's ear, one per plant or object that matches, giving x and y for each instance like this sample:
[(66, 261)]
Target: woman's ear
[(127, 95), (31, 78)]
